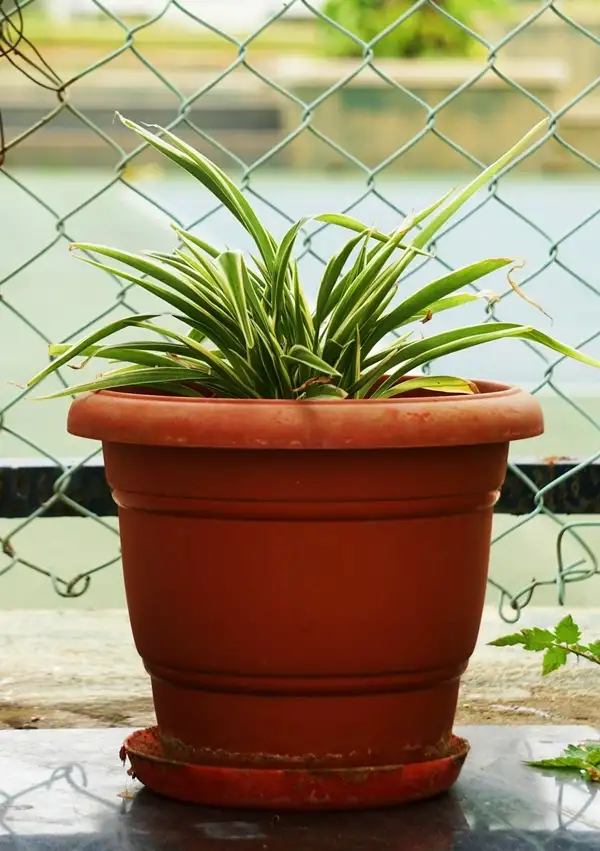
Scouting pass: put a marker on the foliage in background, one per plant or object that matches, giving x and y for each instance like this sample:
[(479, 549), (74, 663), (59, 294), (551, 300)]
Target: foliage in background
[(247, 329), (557, 645), (424, 33)]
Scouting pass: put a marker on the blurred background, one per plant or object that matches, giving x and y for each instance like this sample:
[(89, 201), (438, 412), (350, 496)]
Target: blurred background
[(371, 106)]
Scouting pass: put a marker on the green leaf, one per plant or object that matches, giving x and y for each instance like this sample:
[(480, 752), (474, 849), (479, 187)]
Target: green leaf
[(354, 366), (463, 196), (232, 262), (567, 631), (594, 649), (133, 377), (578, 751), (369, 379), (416, 218), (583, 758), (446, 342), (250, 331), (213, 361), (215, 180), (593, 755), (205, 272), (260, 318), (210, 290), (266, 276), (187, 237), (56, 349), (363, 315), (562, 762), (446, 303), (300, 330), (179, 389), (323, 391), (209, 272), (351, 223), (226, 336), (537, 639), (373, 278), (361, 259), (187, 265), (532, 639), (554, 658), (186, 296), (300, 354), (281, 270), (179, 283), (326, 298), (508, 640), (440, 383), (414, 354), (330, 277), (197, 336), (434, 291), (474, 335), (137, 354), (91, 338), (392, 349), (269, 356), (304, 330)]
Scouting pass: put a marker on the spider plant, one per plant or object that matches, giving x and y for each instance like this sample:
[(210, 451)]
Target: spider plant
[(246, 329)]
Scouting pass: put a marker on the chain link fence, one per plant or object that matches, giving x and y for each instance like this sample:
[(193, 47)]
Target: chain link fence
[(267, 104)]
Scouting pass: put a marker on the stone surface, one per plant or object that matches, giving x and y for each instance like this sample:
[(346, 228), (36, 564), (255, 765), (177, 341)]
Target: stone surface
[(62, 790)]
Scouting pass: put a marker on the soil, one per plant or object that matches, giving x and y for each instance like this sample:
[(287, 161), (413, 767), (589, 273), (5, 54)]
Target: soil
[(100, 713), (545, 705)]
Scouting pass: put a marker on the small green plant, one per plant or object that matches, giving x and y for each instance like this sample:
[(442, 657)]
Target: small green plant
[(557, 645), (244, 326), (583, 758), (427, 32)]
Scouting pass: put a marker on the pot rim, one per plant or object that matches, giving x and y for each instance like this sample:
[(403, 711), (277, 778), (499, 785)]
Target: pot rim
[(499, 413)]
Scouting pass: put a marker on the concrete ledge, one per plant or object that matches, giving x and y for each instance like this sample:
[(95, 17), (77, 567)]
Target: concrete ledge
[(370, 118), (292, 73), (68, 668)]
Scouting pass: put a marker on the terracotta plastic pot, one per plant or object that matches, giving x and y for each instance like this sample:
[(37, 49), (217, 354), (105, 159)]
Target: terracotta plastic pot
[(305, 580)]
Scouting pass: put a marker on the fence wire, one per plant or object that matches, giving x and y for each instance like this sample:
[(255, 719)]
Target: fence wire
[(19, 50)]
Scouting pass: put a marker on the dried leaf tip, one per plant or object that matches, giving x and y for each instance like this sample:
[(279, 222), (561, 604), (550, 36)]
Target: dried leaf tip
[(519, 264)]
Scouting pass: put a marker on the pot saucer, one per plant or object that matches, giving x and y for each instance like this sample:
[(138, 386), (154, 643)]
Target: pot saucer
[(289, 789)]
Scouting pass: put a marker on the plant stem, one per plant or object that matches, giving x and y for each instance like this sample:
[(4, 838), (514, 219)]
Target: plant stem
[(580, 653)]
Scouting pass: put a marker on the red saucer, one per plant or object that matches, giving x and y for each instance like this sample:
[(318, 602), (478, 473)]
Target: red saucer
[(289, 789)]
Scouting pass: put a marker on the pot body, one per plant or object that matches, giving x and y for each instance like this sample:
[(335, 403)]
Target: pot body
[(305, 584)]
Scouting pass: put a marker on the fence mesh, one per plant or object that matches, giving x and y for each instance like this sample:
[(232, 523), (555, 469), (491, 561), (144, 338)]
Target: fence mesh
[(145, 44)]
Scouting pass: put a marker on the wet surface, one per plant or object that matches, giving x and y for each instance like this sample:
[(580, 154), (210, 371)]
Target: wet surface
[(65, 790)]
